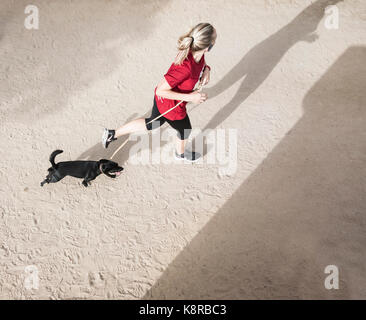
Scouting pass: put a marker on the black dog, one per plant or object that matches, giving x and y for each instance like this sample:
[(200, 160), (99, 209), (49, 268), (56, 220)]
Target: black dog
[(88, 170)]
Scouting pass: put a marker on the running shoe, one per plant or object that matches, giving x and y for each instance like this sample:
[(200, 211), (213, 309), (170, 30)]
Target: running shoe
[(108, 137), (190, 156)]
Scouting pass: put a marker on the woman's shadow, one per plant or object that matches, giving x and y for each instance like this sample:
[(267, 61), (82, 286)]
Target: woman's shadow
[(255, 66), (258, 62)]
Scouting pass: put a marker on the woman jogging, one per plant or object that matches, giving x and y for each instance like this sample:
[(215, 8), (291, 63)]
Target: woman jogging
[(177, 85)]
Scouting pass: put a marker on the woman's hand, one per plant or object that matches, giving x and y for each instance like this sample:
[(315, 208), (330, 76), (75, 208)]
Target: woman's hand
[(198, 97), (205, 77), (165, 91)]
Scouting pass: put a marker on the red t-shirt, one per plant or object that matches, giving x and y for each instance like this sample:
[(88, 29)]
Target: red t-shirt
[(182, 78)]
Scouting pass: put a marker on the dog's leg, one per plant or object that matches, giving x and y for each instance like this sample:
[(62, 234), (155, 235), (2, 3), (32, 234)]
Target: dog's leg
[(86, 180), (89, 177)]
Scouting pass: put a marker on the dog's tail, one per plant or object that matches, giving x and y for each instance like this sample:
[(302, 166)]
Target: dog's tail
[(53, 156)]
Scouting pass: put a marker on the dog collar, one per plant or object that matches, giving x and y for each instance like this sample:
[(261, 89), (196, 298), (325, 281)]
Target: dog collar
[(100, 168)]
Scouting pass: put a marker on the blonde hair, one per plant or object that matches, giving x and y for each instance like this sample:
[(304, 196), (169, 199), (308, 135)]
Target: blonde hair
[(198, 38)]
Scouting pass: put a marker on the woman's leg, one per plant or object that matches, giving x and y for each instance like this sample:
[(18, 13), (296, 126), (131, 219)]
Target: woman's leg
[(137, 125), (184, 129), (141, 124), (130, 127), (180, 145)]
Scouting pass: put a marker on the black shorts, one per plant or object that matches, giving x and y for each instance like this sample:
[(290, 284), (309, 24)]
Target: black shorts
[(183, 126)]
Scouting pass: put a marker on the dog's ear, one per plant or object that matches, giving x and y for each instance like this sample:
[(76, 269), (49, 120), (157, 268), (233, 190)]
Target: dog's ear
[(103, 161)]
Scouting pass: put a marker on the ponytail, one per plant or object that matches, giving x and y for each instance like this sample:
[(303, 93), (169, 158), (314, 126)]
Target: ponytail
[(198, 38), (184, 45)]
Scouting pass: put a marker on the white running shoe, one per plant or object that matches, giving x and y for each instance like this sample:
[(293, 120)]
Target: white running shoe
[(188, 156), (108, 137)]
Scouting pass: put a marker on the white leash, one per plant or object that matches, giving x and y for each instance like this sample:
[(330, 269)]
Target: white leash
[(198, 88), (120, 147), (159, 116)]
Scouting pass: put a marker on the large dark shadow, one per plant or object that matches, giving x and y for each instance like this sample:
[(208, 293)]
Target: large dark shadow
[(302, 209), (77, 43), (255, 66)]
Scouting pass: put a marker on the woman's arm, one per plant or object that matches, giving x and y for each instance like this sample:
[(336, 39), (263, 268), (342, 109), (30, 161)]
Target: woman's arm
[(205, 75), (164, 90)]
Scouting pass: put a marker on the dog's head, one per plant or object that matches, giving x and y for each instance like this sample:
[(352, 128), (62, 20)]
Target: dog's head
[(110, 168)]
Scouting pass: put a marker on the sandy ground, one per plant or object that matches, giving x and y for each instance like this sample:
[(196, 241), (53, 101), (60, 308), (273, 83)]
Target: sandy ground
[(294, 90)]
